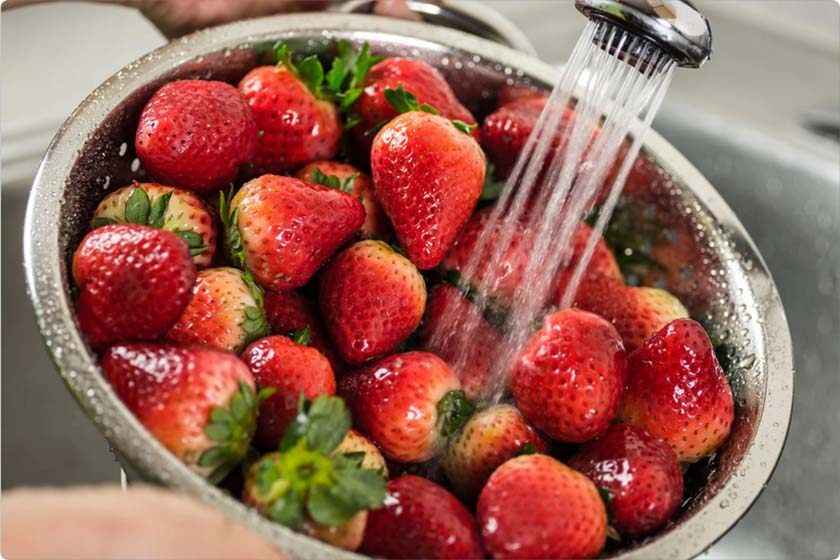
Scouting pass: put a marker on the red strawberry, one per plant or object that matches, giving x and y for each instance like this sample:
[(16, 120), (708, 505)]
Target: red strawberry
[(509, 272), (428, 176), (485, 342), (292, 369), (488, 439), (225, 312), (408, 404), (371, 298), (198, 402), (309, 484), (416, 76), (134, 282), (636, 312), (509, 94), (505, 132), (640, 471), (176, 210), (283, 229), (345, 177), (355, 442), (602, 264), (569, 377), (677, 391), (289, 313), (534, 506), (421, 520), (296, 120), (195, 134)]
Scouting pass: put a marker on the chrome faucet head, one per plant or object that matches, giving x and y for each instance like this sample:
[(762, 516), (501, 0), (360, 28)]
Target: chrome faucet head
[(673, 25)]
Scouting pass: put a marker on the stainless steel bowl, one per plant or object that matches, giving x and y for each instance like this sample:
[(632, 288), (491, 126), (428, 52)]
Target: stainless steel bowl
[(728, 287)]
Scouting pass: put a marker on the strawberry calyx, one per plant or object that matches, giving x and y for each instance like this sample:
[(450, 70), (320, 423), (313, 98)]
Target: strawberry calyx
[(630, 234), (492, 188), (454, 409), (342, 83), (231, 427), (405, 102), (302, 336), (306, 479), (140, 210), (255, 324), (332, 181), (234, 250)]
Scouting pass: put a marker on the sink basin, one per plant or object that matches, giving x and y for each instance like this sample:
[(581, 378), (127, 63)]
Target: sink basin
[(789, 201)]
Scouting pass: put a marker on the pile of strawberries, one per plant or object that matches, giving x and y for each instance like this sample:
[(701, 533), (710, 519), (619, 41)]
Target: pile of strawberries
[(265, 311)]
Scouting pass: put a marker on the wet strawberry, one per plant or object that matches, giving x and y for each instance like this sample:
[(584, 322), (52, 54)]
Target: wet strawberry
[(297, 121), (283, 229), (636, 312), (292, 369), (195, 134), (354, 442), (641, 473), (677, 391), (177, 210), (134, 282), (488, 439), (418, 77), (507, 272), (510, 93), (534, 506), (289, 313), (569, 377), (446, 301), (371, 298), (309, 486), (351, 180), (225, 312), (602, 264), (428, 176), (408, 404), (421, 520), (198, 402)]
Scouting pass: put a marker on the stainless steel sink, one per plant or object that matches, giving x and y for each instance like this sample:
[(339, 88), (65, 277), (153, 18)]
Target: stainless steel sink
[(789, 201)]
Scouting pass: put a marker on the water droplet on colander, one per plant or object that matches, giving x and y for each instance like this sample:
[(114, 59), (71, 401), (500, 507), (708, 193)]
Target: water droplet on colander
[(90, 393), (724, 504)]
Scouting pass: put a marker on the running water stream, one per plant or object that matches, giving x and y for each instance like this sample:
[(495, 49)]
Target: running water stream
[(615, 82)]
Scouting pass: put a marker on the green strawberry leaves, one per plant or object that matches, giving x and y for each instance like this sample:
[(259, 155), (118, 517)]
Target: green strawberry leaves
[(302, 336), (231, 428), (255, 324), (157, 212), (193, 240), (342, 83), (527, 449), (234, 250), (332, 181), (492, 187), (102, 221), (630, 234), (453, 412), (404, 102), (307, 478), (137, 207)]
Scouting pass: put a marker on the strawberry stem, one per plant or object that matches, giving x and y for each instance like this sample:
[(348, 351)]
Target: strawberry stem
[(454, 409)]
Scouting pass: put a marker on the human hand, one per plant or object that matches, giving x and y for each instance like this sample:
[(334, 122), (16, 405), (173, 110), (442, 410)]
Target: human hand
[(106, 523)]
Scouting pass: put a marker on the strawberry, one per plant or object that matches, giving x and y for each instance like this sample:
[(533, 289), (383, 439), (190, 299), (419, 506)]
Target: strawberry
[(488, 439), (291, 368), (446, 301), (678, 391), (641, 473), (225, 312), (351, 180), (198, 402), (283, 229), (309, 485), (423, 80), (134, 282), (505, 132), (428, 176), (355, 442), (176, 210), (371, 298), (534, 506), (510, 93), (421, 520), (408, 404), (508, 270), (296, 118), (636, 312), (195, 134), (569, 376), (289, 313), (602, 264)]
